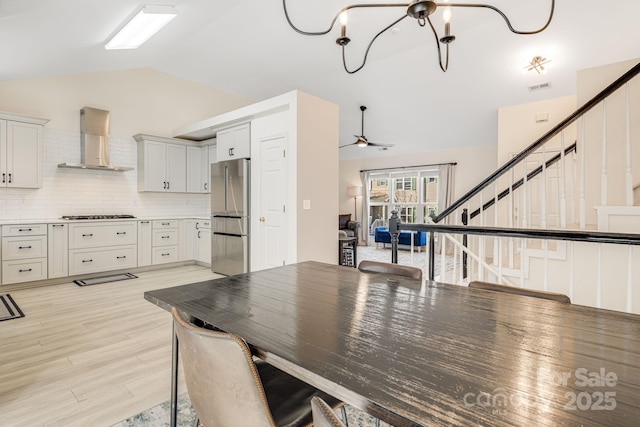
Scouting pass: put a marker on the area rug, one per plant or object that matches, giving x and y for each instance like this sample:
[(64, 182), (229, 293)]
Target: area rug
[(158, 416), (8, 308)]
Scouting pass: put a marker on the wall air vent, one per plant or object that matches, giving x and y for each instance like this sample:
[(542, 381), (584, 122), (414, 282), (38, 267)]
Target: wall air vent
[(545, 85)]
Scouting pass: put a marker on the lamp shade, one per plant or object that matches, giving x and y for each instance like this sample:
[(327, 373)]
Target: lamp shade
[(354, 191)]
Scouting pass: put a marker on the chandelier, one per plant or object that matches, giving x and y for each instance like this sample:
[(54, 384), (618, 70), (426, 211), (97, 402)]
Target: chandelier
[(421, 10)]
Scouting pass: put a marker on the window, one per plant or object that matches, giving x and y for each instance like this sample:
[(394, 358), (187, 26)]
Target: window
[(414, 194)]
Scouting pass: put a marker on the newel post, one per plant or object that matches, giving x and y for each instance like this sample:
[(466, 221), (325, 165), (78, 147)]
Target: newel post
[(394, 223)]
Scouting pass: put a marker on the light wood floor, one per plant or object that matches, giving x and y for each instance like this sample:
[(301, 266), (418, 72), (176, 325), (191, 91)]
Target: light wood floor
[(88, 356)]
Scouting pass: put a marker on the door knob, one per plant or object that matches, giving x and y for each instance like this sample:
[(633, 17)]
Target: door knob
[(262, 219)]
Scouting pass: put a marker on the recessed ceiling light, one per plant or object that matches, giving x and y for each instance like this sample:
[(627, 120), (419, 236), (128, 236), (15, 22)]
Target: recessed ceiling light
[(144, 24)]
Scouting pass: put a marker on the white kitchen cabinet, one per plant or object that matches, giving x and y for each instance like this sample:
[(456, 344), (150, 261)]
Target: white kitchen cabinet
[(162, 165), (213, 158), (187, 240), (234, 143), (165, 241), (144, 243), (24, 253), (102, 246), (58, 250), (21, 151), (197, 167), (203, 241)]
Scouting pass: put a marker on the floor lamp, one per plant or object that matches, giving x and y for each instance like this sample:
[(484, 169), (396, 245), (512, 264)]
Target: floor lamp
[(355, 192)]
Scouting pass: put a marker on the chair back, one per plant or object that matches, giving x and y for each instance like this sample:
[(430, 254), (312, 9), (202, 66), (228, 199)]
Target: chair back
[(221, 377), (323, 415), (520, 291), (388, 268)]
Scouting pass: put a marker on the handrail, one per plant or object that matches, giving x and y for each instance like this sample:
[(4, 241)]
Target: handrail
[(541, 141), (529, 233), (537, 171)]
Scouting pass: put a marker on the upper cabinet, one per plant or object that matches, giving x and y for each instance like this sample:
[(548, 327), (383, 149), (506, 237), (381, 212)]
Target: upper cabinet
[(162, 164), (21, 151), (199, 159), (234, 143)]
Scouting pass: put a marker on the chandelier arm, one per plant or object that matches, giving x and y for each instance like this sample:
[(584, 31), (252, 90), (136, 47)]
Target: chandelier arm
[(506, 20), (335, 18), (435, 34), (366, 53)]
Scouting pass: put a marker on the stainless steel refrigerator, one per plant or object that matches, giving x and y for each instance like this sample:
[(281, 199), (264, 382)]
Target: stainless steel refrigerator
[(230, 217)]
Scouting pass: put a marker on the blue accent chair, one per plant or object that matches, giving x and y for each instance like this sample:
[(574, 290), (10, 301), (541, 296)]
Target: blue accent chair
[(382, 235)]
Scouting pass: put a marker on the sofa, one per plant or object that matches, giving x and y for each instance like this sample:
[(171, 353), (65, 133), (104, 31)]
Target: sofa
[(348, 228), (382, 235)]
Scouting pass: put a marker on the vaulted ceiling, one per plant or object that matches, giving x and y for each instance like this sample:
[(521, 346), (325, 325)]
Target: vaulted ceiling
[(246, 47)]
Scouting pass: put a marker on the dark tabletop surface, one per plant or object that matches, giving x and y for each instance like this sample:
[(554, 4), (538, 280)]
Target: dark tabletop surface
[(430, 354)]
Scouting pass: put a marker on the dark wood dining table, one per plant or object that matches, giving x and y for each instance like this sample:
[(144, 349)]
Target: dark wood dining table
[(418, 353)]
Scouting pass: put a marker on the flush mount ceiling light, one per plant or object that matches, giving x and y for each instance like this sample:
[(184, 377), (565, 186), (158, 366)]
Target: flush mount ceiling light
[(537, 63), (420, 10), (148, 21)]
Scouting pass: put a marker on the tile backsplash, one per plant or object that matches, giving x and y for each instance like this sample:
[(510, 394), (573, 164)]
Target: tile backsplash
[(92, 192)]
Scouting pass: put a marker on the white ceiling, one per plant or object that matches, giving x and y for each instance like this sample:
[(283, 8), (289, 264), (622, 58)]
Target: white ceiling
[(246, 47)]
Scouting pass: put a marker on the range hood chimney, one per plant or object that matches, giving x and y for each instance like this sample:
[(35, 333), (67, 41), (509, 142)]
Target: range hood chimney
[(94, 148)]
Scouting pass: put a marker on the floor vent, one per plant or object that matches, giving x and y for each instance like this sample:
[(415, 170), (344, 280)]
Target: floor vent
[(105, 279)]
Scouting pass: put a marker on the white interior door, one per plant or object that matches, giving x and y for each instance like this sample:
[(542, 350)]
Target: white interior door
[(272, 225)]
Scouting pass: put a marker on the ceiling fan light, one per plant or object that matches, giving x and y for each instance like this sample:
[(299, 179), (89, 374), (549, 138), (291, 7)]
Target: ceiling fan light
[(361, 143)]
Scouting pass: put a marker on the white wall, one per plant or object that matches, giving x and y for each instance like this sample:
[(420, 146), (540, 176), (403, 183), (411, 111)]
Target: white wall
[(140, 101), (474, 164)]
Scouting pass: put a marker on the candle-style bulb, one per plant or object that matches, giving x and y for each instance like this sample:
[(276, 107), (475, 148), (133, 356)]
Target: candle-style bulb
[(344, 18), (446, 15)]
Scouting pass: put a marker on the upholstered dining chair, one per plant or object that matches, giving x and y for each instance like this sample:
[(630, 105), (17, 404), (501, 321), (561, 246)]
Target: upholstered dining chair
[(228, 388), (323, 415), (520, 291), (388, 268)]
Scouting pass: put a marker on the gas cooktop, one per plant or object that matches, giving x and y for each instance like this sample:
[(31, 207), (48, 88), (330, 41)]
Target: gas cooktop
[(78, 217)]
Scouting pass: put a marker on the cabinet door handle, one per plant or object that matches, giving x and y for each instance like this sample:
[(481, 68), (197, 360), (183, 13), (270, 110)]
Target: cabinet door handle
[(4, 178), (58, 225), (166, 254), (199, 234), (25, 229), (168, 185), (24, 247), (205, 186), (164, 184), (231, 151), (88, 235), (87, 260), (26, 270), (165, 237), (144, 222), (121, 232), (121, 257), (197, 225), (9, 178), (166, 223)]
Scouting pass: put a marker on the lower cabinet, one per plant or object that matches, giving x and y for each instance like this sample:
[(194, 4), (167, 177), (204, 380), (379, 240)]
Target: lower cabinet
[(58, 245), (165, 241), (102, 246), (203, 241), (144, 243), (83, 261), (24, 253)]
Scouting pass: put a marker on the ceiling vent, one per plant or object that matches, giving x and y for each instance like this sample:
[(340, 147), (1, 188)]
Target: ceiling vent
[(545, 85)]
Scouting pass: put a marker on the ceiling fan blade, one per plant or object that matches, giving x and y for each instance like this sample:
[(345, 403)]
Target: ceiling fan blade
[(380, 145), (348, 145)]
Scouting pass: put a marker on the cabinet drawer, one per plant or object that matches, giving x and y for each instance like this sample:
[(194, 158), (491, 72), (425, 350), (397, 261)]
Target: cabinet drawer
[(25, 270), (167, 223), (24, 247), (102, 234), (24, 230), (91, 261), (165, 254), (165, 237)]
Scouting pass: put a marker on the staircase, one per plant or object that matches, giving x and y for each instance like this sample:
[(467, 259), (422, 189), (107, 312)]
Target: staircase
[(581, 176)]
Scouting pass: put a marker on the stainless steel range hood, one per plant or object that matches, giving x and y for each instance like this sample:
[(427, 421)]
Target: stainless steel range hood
[(94, 148)]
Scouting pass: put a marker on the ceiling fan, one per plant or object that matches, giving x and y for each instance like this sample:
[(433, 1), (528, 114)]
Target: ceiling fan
[(362, 141)]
